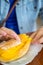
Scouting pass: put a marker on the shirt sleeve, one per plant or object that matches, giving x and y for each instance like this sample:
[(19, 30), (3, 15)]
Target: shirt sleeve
[(4, 9)]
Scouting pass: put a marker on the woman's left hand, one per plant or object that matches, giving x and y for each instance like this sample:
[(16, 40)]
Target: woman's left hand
[(37, 36)]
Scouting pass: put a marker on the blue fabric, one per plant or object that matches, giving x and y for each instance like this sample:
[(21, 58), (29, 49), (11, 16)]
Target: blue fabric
[(27, 12), (12, 20), (4, 6)]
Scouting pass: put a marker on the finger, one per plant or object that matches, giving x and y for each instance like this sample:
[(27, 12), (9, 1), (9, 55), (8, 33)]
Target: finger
[(11, 33), (0, 37), (40, 40), (33, 35), (7, 37), (2, 32), (38, 35)]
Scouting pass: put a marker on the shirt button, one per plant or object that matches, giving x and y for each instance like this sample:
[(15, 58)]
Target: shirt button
[(21, 27), (35, 7), (17, 3), (41, 9)]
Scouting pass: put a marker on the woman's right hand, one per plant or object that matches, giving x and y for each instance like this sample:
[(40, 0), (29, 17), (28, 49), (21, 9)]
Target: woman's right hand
[(6, 33)]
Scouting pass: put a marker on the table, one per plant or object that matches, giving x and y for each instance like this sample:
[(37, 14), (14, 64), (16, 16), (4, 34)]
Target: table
[(38, 60)]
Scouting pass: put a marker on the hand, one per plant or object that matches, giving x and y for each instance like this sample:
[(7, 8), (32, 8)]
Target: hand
[(38, 36), (6, 33)]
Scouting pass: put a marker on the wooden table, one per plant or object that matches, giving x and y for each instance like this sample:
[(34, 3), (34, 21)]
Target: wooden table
[(38, 60)]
